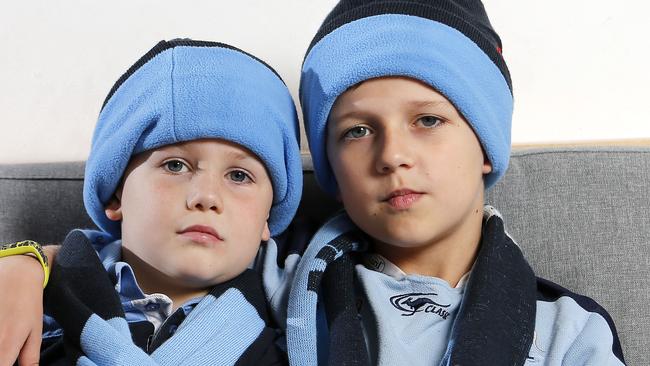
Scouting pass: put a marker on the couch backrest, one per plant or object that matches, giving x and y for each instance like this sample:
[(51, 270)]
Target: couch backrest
[(582, 218), (581, 215)]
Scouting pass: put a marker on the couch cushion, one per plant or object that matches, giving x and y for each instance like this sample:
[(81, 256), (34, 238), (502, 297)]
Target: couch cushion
[(581, 217)]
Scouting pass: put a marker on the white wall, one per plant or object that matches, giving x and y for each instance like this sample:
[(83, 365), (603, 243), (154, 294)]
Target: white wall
[(579, 67)]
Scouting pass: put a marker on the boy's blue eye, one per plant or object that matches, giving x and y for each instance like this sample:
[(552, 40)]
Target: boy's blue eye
[(175, 166), (429, 121), (357, 132), (239, 176)]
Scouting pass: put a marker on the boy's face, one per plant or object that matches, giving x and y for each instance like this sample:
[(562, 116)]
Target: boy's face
[(195, 212), (408, 166)]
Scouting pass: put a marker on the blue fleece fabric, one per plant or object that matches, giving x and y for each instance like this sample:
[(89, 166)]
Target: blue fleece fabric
[(186, 93), (403, 45)]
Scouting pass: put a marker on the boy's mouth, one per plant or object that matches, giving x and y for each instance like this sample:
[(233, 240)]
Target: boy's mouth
[(402, 199), (201, 234)]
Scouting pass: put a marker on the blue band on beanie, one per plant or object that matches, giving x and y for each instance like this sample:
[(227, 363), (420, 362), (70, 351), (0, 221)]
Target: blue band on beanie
[(187, 93), (403, 45)]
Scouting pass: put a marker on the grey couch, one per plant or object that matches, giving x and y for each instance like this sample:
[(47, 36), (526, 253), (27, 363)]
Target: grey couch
[(581, 215)]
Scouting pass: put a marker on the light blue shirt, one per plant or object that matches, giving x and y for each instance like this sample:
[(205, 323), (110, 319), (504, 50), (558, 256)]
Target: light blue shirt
[(408, 318)]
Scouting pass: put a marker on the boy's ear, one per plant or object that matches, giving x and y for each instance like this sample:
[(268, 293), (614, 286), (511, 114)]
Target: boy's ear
[(113, 209), (266, 233), (487, 166)]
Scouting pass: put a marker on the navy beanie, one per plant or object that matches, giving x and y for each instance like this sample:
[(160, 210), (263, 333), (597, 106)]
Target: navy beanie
[(447, 44), (184, 90)]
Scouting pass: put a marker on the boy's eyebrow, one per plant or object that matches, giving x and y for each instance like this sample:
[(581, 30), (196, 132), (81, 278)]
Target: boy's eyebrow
[(235, 154), (352, 114), (172, 149), (412, 104), (239, 155), (428, 103)]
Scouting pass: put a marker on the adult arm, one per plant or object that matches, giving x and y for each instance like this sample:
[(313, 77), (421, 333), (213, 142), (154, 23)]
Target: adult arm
[(21, 308)]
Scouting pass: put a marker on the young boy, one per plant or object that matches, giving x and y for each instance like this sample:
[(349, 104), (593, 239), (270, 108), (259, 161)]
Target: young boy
[(194, 162), (408, 108)]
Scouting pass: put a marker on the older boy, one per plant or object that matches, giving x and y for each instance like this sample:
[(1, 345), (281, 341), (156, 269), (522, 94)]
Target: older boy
[(194, 162), (408, 110)]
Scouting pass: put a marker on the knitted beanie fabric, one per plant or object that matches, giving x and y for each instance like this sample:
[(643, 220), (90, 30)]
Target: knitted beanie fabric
[(447, 44), (183, 90)]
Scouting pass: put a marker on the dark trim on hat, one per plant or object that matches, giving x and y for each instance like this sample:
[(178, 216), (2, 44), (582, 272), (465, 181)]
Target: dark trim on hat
[(178, 42), (469, 19)]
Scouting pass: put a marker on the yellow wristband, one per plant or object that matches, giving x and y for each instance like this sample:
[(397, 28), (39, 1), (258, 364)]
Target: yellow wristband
[(27, 247)]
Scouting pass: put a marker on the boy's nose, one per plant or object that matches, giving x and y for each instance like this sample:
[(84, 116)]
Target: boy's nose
[(393, 152), (204, 193)]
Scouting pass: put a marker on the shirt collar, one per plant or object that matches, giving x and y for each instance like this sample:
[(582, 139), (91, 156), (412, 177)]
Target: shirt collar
[(121, 272), (379, 263), (122, 275), (137, 305)]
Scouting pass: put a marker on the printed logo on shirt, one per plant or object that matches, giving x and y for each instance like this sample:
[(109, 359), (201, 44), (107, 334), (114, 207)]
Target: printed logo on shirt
[(409, 304)]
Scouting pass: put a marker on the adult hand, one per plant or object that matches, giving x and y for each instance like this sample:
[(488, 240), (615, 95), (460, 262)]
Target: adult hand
[(21, 310)]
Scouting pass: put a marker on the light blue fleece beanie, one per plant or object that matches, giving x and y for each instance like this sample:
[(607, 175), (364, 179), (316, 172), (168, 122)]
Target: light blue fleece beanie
[(446, 44), (184, 90)]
